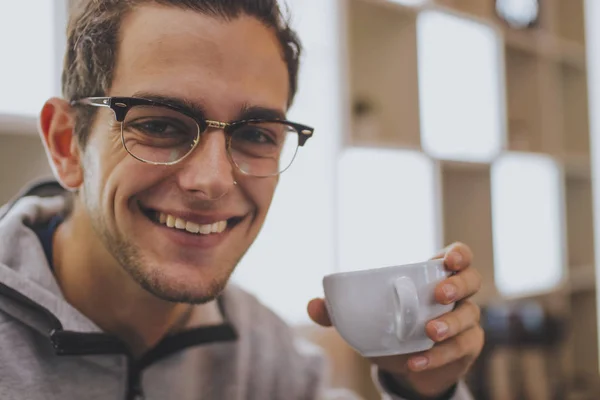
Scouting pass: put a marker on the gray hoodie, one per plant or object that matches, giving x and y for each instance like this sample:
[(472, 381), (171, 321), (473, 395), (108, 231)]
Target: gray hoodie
[(50, 351)]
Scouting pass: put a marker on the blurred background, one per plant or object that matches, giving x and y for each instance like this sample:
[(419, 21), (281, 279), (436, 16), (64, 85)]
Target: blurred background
[(436, 121)]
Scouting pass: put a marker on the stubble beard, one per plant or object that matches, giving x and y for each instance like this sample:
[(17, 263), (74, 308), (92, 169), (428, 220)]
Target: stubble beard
[(152, 278)]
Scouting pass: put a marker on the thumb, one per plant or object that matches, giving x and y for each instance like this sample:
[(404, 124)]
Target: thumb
[(317, 311)]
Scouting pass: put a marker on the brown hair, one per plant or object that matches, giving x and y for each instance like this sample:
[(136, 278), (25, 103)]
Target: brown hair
[(92, 44)]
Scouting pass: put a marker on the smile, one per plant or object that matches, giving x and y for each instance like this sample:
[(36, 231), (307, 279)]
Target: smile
[(191, 227)]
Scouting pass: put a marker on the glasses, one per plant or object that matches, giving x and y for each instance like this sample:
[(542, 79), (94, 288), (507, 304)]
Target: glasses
[(161, 134)]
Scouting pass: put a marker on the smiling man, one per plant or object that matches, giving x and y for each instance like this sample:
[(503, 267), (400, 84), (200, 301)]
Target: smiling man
[(168, 146)]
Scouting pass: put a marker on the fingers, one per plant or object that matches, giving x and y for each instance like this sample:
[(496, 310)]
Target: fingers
[(458, 287), (462, 348), (465, 317), (318, 312), (457, 256)]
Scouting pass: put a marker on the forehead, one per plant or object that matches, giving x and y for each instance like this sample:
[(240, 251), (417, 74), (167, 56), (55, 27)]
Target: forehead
[(223, 65)]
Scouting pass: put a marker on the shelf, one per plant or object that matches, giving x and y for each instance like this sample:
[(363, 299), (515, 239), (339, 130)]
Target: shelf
[(468, 217), (576, 136), (383, 74), (582, 278), (577, 166), (523, 101), (583, 326), (476, 8), (570, 20), (579, 221), (548, 46)]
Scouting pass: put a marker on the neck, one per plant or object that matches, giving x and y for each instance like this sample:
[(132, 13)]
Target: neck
[(94, 283)]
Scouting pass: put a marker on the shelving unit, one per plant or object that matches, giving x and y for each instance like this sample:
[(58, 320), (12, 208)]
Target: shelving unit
[(546, 112), (383, 75)]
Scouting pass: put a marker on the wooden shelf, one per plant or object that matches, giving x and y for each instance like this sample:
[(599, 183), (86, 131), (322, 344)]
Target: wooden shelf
[(523, 92), (577, 166), (582, 278), (576, 136), (383, 74), (472, 8), (579, 222), (570, 23), (466, 194), (546, 110), (548, 46)]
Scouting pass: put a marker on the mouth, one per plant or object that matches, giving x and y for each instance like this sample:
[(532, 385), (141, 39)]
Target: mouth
[(190, 227)]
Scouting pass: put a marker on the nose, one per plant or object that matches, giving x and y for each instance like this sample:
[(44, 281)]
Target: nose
[(207, 172)]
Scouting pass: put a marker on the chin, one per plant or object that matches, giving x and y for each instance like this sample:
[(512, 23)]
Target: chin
[(192, 287)]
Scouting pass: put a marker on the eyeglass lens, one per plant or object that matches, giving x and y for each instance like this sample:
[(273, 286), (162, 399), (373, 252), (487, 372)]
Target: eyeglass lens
[(164, 136)]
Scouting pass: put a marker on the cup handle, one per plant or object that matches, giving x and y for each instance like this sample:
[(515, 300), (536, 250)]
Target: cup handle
[(407, 307)]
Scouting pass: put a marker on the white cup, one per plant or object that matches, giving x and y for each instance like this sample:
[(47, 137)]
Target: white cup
[(383, 311)]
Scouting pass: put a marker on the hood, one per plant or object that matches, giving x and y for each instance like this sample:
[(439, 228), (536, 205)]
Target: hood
[(25, 275), (30, 293)]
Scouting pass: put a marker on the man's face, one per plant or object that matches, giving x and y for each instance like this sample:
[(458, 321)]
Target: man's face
[(222, 68)]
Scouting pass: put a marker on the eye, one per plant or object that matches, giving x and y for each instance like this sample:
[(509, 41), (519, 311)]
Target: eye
[(159, 127), (255, 135)]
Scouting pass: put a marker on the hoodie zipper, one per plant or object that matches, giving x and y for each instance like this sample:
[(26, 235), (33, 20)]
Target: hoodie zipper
[(134, 384)]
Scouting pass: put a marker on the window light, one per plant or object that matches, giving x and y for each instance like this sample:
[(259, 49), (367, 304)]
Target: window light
[(526, 215), (387, 212), (31, 49), (460, 85)]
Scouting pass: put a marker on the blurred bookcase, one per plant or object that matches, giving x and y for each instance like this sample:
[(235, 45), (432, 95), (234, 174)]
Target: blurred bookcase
[(544, 111)]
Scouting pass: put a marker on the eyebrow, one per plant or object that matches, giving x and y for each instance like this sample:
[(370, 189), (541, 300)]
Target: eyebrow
[(189, 107), (197, 110), (257, 112)]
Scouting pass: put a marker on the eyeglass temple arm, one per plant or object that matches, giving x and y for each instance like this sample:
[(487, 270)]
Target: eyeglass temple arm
[(94, 101)]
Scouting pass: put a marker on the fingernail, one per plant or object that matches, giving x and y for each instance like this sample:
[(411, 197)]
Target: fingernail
[(449, 292), (441, 329), (420, 363)]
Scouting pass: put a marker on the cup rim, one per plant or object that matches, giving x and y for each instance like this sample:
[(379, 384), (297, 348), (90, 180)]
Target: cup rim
[(437, 262)]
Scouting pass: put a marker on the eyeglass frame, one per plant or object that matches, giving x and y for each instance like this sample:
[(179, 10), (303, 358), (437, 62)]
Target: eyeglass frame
[(122, 105)]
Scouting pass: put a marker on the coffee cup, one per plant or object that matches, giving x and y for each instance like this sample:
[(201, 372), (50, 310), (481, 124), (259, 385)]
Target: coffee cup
[(383, 311)]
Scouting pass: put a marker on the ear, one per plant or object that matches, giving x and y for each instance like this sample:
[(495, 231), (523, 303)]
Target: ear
[(57, 130)]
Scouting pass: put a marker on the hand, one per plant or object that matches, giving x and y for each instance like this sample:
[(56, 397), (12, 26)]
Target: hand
[(458, 336)]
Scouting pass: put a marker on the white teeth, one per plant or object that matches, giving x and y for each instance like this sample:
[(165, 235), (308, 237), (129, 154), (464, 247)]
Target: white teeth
[(170, 221), (179, 223), (191, 227), (205, 229)]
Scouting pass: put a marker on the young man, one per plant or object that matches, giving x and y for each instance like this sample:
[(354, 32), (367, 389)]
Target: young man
[(168, 147)]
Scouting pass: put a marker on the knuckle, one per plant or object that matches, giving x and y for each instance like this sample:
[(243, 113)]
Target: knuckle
[(454, 324), (464, 345)]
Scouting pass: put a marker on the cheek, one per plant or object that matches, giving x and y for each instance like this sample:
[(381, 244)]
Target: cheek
[(260, 193), (112, 176)]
